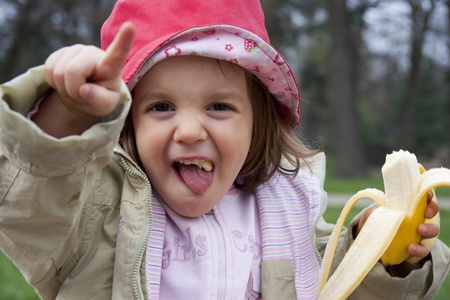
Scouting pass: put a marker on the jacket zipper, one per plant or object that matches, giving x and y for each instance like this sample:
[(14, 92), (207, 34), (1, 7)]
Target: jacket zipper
[(148, 226), (221, 293)]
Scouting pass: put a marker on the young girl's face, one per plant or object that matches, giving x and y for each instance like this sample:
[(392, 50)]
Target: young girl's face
[(193, 122)]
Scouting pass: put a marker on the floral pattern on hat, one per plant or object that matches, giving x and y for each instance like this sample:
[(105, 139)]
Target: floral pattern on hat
[(238, 46)]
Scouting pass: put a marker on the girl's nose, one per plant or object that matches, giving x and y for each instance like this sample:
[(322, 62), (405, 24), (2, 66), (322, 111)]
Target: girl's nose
[(190, 129)]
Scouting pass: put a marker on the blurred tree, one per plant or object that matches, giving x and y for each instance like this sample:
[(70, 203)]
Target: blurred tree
[(387, 83), (327, 68), (427, 132), (357, 106), (351, 95), (297, 28), (420, 17), (34, 29), (447, 2), (346, 21), (342, 90)]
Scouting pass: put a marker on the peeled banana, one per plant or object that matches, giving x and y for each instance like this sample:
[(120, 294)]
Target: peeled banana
[(388, 230)]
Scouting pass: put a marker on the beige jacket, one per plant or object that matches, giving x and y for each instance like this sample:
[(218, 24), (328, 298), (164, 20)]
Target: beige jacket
[(61, 202)]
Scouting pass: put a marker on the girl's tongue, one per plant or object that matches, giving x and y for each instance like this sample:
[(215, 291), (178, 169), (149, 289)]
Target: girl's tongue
[(196, 179)]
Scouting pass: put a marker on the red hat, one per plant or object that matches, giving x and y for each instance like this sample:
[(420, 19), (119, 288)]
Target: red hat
[(231, 30)]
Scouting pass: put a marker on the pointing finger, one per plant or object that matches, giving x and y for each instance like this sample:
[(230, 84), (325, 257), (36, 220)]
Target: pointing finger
[(116, 54)]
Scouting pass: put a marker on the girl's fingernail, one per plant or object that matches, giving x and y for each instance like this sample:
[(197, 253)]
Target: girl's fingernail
[(423, 229), (85, 92)]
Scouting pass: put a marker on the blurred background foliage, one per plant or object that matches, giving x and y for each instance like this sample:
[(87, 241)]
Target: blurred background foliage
[(374, 74)]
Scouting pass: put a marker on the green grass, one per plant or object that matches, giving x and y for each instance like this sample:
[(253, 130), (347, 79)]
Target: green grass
[(352, 185), (12, 284)]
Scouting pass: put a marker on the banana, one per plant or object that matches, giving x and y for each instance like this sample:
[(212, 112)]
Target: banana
[(388, 230)]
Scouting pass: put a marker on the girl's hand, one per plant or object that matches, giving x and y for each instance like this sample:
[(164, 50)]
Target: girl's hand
[(86, 83), (425, 230)]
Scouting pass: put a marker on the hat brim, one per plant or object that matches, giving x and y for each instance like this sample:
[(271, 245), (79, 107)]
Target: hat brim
[(227, 43)]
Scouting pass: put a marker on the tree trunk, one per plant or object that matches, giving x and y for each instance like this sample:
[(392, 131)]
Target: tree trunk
[(419, 26), (350, 159)]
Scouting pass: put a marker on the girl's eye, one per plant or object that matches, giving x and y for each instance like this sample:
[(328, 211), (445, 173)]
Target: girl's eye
[(220, 107), (160, 107)]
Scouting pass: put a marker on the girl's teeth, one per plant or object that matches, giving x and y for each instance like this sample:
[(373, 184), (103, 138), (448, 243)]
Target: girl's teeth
[(204, 164)]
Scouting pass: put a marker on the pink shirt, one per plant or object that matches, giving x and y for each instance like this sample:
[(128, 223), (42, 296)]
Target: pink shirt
[(214, 256)]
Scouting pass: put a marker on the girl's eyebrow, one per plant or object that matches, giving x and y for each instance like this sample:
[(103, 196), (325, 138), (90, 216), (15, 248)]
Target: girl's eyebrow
[(219, 95), (153, 95), (225, 94)]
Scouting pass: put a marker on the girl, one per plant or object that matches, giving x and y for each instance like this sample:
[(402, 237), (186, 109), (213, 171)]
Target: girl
[(209, 195)]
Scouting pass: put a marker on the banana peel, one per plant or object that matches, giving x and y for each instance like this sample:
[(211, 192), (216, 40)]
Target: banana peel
[(388, 230)]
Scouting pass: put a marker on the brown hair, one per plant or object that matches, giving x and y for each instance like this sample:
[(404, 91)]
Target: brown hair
[(272, 140)]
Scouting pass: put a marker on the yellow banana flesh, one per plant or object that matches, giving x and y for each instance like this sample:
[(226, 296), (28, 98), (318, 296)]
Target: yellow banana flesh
[(388, 230), (397, 251)]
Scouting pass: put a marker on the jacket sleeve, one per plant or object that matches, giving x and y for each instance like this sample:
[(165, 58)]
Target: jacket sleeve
[(422, 283), (44, 181)]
